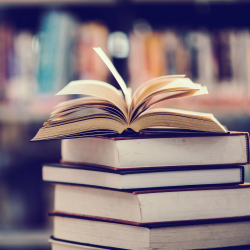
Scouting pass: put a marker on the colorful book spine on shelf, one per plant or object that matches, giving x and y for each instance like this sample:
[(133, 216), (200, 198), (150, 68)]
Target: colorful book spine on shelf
[(56, 42)]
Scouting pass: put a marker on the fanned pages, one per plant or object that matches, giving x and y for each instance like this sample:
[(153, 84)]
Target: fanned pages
[(104, 110)]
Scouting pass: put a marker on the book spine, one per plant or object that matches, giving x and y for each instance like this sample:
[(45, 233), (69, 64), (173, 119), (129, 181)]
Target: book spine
[(181, 189), (94, 218), (242, 175), (247, 148), (152, 224), (79, 244)]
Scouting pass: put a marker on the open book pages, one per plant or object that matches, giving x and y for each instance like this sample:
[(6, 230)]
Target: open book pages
[(105, 110)]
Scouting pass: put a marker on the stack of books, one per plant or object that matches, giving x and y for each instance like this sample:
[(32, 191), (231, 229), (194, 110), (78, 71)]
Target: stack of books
[(112, 192), (129, 180)]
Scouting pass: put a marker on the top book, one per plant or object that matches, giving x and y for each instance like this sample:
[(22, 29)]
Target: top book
[(106, 110)]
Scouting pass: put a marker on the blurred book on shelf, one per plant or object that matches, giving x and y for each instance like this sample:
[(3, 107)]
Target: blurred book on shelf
[(89, 66), (56, 44), (6, 54)]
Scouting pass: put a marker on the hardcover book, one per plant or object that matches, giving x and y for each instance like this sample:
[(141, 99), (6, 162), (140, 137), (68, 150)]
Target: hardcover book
[(135, 179), (154, 206), (231, 233), (162, 151)]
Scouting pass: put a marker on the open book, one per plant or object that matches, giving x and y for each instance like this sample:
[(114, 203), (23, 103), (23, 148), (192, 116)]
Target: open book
[(105, 110)]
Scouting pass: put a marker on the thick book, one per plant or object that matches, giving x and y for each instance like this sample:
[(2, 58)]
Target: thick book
[(135, 179), (106, 110), (60, 244), (109, 235), (151, 151), (153, 205)]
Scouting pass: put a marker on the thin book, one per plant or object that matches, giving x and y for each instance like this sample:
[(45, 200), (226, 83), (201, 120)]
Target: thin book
[(141, 179)]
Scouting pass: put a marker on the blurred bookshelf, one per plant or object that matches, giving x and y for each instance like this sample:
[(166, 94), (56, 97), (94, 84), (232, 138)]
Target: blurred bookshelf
[(46, 2), (25, 240), (46, 44)]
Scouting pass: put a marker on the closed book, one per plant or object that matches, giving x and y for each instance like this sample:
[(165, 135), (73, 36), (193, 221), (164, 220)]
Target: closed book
[(108, 235), (139, 179), (66, 245), (180, 149), (153, 205)]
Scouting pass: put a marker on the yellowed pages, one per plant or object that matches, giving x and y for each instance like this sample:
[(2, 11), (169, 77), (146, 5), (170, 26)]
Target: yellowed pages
[(98, 123), (164, 94), (97, 89), (87, 104), (115, 73), (161, 81), (165, 83), (79, 100), (177, 118)]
